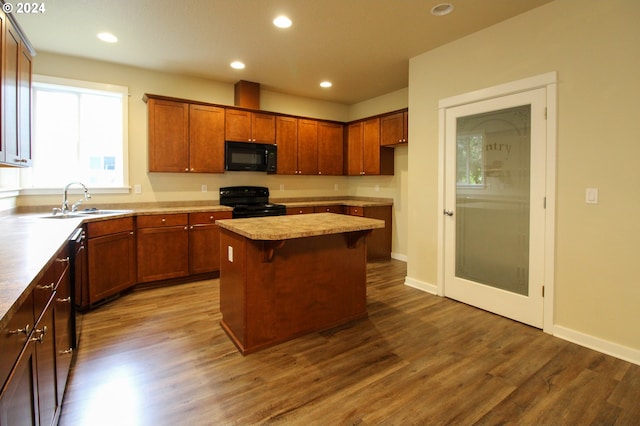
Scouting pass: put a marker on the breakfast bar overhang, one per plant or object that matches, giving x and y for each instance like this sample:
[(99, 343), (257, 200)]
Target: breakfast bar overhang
[(285, 276)]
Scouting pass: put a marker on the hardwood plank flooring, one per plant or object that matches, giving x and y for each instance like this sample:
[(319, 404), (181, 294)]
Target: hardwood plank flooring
[(159, 357)]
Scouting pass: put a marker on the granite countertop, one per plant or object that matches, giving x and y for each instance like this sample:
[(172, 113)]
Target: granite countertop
[(272, 228), (29, 240)]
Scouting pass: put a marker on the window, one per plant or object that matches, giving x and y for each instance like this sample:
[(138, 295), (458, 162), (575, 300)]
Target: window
[(79, 134), (470, 161)]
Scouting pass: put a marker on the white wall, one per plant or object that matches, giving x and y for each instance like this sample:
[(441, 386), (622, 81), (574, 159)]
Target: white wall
[(594, 47)]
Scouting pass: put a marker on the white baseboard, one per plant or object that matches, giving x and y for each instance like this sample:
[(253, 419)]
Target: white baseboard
[(421, 285), (398, 256), (606, 347)]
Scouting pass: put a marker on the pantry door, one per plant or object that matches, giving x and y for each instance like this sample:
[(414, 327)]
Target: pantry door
[(494, 204)]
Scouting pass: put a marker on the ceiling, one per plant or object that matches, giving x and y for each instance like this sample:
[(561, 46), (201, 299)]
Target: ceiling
[(362, 46)]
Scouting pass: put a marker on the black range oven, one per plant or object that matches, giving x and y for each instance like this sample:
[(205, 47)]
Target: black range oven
[(250, 201)]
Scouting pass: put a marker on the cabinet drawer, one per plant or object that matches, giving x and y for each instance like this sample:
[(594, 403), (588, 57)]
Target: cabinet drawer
[(356, 211), (160, 220), (329, 209), (299, 210), (202, 218), (111, 226), (13, 338)]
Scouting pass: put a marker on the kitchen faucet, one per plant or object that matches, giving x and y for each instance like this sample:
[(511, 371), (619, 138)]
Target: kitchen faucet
[(65, 201)]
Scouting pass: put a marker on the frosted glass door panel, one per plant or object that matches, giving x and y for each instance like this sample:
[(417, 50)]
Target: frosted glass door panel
[(493, 160)]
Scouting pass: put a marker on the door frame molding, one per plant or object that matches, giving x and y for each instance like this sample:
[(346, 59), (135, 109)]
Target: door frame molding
[(548, 81)]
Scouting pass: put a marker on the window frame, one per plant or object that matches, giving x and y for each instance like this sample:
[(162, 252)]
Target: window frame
[(25, 174)]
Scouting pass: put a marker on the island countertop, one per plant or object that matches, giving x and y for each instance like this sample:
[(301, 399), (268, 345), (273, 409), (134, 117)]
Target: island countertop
[(273, 228)]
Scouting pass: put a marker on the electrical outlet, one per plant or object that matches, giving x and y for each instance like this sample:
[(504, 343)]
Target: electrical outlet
[(137, 188), (230, 253), (281, 187), (204, 188), (591, 196), (377, 188), (336, 187)]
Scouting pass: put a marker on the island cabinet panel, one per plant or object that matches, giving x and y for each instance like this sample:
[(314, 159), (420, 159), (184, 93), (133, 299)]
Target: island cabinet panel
[(273, 291), (204, 241), (163, 247), (19, 397), (111, 259)]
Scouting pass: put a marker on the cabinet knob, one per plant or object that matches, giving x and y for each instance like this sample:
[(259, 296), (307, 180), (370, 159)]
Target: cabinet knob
[(40, 334), (186, 170), (164, 220)]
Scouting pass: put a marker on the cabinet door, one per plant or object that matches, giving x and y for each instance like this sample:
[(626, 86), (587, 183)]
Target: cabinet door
[(355, 137), (111, 260), (163, 253), (204, 241), (206, 139), (300, 210), (237, 125), (371, 147), (287, 140), (307, 147), (168, 136), (263, 127), (393, 129), (24, 106), (46, 366), (19, 397), (64, 332), (330, 148), (10, 85)]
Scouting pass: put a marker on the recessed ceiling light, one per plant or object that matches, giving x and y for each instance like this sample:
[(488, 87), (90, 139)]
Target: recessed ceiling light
[(282, 22), (326, 84), (237, 65), (107, 37), (442, 9)]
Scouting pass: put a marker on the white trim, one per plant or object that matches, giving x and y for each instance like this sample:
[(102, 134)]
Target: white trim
[(9, 192), (597, 344), (421, 285), (45, 80), (398, 256), (523, 85), (549, 82)]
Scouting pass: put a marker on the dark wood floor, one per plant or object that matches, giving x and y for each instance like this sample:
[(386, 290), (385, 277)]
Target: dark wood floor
[(159, 357)]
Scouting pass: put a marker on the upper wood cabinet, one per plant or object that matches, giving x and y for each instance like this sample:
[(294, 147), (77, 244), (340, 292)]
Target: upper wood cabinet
[(185, 137), (309, 147), (330, 148), (394, 128), (248, 126), (15, 145), (365, 155)]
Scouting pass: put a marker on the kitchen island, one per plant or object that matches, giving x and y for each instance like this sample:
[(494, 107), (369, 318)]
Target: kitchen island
[(284, 276)]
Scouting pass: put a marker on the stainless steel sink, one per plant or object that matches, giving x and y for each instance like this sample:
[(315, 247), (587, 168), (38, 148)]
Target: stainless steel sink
[(85, 213), (63, 216)]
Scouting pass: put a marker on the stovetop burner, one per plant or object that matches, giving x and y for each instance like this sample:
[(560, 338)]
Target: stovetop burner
[(250, 201)]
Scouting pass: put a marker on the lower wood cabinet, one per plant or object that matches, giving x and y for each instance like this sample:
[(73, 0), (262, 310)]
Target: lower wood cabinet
[(163, 245), (36, 350), (111, 259), (204, 241)]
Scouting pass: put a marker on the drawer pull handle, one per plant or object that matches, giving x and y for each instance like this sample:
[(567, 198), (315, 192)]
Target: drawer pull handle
[(46, 287), (63, 260), (65, 300), (25, 330), (67, 351)]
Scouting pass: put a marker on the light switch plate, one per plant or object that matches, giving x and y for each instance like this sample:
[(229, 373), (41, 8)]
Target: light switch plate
[(230, 253), (591, 196)]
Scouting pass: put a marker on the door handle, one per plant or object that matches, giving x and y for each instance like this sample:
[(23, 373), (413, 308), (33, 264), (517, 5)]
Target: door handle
[(448, 212)]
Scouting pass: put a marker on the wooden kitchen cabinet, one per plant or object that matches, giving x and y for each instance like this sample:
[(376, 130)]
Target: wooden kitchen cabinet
[(287, 141), (394, 128), (365, 156), (329, 209), (248, 126), (36, 350), (15, 145), (300, 210), (185, 137), (111, 259), (330, 148), (379, 241), (163, 247), (204, 241), (307, 147)]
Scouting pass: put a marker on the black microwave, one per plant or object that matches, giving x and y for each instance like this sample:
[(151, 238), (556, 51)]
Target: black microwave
[(249, 156)]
